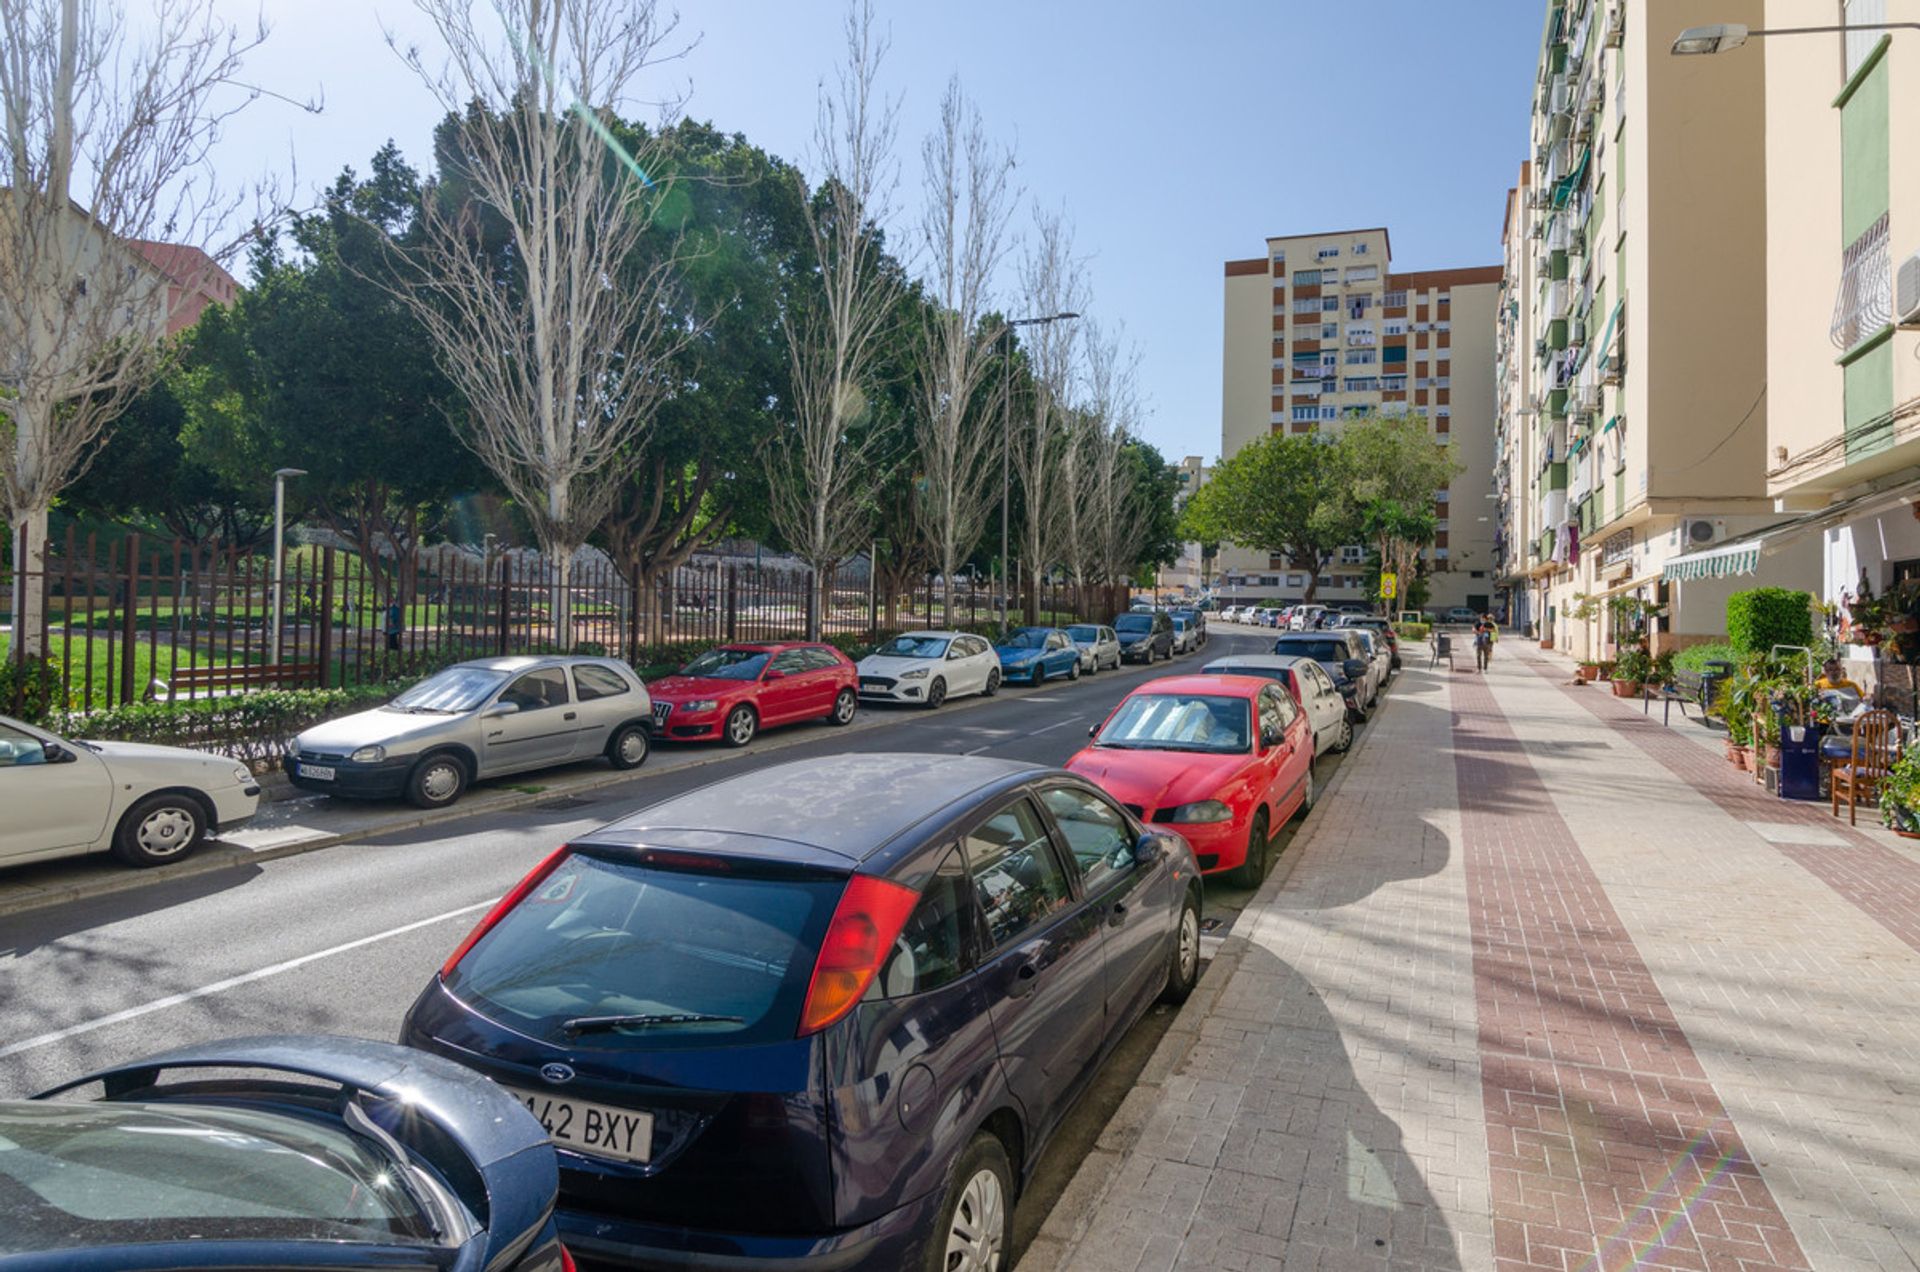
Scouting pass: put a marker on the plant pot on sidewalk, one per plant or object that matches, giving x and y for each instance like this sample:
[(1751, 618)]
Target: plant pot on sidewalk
[(1743, 758), (1626, 688), (1546, 642)]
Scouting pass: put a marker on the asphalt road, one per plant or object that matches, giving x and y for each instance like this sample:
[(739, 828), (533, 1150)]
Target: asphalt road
[(340, 941)]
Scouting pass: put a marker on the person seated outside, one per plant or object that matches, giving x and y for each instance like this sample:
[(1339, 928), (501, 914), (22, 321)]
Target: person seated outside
[(1833, 675)]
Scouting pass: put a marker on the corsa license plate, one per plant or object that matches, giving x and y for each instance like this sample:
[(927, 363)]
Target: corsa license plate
[(592, 1128), (318, 772)]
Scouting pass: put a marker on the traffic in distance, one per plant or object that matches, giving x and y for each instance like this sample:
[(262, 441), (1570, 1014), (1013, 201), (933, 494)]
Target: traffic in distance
[(871, 985)]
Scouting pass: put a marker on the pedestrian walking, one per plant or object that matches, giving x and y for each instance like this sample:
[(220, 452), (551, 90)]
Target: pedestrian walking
[(395, 624), (1484, 634)]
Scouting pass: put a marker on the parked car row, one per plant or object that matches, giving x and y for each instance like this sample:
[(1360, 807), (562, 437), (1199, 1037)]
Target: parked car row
[(1298, 618)]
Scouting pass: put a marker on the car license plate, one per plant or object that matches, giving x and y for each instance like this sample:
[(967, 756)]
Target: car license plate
[(318, 772), (592, 1128)]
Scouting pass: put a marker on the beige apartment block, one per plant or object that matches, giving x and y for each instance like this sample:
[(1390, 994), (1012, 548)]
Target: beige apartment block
[(1192, 572), (1842, 360), (1321, 329), (1518, 515), (1647, 315)]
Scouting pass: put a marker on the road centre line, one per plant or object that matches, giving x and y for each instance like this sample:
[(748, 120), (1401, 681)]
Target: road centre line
[(231, 982)]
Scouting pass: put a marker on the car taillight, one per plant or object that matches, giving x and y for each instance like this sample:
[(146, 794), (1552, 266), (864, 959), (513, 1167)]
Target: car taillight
[(514, 897), (865, 923), (566, 1261)]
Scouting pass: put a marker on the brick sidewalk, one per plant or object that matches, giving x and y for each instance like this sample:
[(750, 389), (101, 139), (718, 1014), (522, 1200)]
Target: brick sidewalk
[(1544, 985)]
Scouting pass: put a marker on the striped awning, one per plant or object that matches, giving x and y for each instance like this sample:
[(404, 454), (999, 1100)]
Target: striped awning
[(1724, 561)]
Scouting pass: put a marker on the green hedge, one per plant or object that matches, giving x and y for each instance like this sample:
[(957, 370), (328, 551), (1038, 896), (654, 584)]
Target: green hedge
[(251, 727), (1696, 657), (1759, 619), (1412, 632)]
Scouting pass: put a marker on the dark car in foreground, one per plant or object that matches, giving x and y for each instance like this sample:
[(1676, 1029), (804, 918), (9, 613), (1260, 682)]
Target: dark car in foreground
[(825, 1015), (278, 1152)]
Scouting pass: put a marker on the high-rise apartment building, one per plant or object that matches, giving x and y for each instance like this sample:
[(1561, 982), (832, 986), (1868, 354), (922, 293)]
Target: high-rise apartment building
[(1321, 329), (1518, 519), (1645, 423)]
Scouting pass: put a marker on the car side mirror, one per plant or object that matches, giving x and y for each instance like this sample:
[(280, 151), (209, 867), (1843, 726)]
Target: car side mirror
[(1272, 736), (1147, 849), (1093, 730), (499, 709), (774, 675), (1355, 668), (57, 754)]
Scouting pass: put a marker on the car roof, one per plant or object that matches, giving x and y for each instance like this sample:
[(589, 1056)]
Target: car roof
[(848, 805), (521, 662), (1272, 662), (1236, 686)]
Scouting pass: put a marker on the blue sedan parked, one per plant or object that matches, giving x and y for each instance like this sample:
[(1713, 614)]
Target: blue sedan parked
[(825, 1015), (1034, 654), (281, 1152)]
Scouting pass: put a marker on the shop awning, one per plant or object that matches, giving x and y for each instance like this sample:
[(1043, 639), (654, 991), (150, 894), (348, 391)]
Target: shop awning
[(1722, 561), (1628, 585)]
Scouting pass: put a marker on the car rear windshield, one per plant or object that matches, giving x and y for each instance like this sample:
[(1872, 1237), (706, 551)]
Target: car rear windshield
[(914, 647), (77, 1175), (455, 689), (1278, 674), (1133, 623), (1178, 722), (1319, 650), (1028, 638), (729, 664), (1081, 631), (608, 934)]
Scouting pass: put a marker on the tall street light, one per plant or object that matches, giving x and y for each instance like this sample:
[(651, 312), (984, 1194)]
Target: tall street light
[(280, 476), (1723, 36), (1006, 440)]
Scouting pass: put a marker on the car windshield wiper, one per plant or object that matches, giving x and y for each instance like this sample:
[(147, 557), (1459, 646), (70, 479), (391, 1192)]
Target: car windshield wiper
[(593, 1024)]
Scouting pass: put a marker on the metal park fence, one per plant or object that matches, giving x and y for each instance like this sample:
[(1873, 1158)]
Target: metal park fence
[(139, 620)]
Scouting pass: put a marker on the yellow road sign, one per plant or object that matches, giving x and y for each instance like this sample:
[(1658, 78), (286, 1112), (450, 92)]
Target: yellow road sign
[(1389, 586)]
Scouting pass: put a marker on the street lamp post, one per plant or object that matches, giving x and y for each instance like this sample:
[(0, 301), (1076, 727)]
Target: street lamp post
[(280, 476), (1006, 441), (1723, 36)]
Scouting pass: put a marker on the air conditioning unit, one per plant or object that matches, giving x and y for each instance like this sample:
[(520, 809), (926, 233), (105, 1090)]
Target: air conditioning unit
[(1906, 292), (1613, 367), (1617, 27), (1699, 532)]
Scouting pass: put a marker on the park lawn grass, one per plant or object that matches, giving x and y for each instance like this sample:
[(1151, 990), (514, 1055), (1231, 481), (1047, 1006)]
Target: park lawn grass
[(89, 687)]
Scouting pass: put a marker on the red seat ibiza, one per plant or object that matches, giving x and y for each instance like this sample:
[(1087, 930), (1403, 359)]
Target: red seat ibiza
[(1220, 760), (733, 692)]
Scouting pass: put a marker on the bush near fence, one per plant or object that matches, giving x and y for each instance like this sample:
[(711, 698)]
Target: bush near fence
[(253, 728)]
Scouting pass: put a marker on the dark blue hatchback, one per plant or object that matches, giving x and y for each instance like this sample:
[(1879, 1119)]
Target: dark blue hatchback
[(824, 1015)]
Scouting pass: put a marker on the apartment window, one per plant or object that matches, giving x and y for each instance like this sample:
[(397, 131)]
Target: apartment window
[(1351, 555), (1329, 412), (1306, 277), (1394, 383), (1362, 273), (1329, 331), (1328, 253), (1329, 304), (1329, 359), (1856, 13), (1280, 255), (1394, 327), (1394, 300), (1359, 357), (1363, 384), (1305, 413), (1445, 297), (1311, 305), (1359, 249), (1443, 325), (1439, 496)]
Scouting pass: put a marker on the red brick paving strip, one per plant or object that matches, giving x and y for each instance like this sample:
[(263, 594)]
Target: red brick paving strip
[(1878, 881), (1608, 1146)]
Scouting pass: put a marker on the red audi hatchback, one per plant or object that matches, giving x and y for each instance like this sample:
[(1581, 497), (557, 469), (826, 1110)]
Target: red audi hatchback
[(1220, 760), (733, 692)]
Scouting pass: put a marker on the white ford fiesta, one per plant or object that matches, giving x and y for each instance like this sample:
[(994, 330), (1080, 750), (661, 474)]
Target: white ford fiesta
[(929, 667), (148, 805)]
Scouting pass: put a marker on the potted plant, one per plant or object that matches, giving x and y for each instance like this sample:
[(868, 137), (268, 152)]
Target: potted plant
[(1738, 694), (1631, 670), (1740, 742), (1900, 796), (1589, 670)]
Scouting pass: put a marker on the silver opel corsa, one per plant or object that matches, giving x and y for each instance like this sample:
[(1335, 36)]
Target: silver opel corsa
[(478, 719)]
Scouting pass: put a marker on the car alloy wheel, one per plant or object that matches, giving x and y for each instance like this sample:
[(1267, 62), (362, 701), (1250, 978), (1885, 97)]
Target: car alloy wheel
[(741, 725), (1073, 672), (976, 1229), (1345, 743), (1313, 793), (628, 747), (846, 702), (157, 830), (993, 682), (436, 782), (1183, 968), (936, 692), (1253, 871)]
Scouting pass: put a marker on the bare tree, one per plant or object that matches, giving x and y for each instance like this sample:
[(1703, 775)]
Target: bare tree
[(1052, 282), (963, 227), (108, 138), (536, 288), (826, 462), (1113, 518)]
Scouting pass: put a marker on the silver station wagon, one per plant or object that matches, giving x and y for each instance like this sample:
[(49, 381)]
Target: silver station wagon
[(484, 718)]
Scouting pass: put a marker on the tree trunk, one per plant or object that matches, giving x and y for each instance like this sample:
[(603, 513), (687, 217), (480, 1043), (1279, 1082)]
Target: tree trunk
[(29, 532)]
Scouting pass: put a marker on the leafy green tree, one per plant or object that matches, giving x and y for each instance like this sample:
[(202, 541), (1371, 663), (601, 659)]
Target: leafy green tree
[(1283, 495), (317, 366), (1396, 467), (1155, 486)]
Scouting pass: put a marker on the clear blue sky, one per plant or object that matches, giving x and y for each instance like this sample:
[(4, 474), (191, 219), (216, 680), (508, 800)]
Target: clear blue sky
[(1175, 135)]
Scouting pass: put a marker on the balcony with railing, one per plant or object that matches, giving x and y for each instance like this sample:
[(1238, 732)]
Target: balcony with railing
[(1864, 302)]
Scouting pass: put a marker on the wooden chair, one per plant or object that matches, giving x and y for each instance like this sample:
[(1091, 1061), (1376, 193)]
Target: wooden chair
[(1876, 744)]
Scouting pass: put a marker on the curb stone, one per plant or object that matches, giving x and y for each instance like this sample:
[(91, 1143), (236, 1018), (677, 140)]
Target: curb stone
[(1054, 1246)]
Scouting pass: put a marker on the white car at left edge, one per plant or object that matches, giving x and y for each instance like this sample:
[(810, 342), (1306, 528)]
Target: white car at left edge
[(148, 805), (927, 668)]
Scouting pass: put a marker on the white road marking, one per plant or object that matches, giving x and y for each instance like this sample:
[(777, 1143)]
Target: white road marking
[(976, 750), (232, 982), (1056, 724)]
